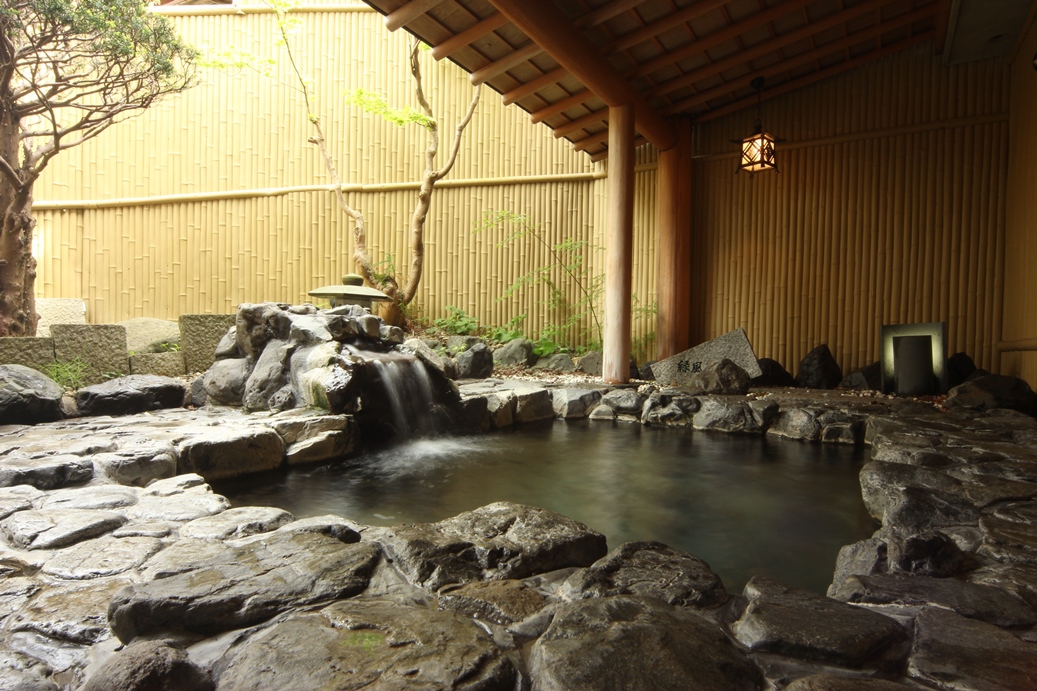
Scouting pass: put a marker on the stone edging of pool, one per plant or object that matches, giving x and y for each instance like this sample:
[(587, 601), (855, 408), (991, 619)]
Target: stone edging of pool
[(116, 570)]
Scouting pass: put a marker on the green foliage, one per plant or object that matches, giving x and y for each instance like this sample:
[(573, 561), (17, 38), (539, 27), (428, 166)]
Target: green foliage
[(457, 322), (547, 343), (508, 332), (167, 347), (69, 374), (567, 269), (373, 103)]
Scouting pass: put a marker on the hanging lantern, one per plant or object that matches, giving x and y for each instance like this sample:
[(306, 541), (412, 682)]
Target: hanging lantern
[(758, 148), (758, 152)]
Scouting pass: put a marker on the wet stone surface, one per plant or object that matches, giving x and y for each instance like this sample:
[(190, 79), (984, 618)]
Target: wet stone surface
[(102, 543)]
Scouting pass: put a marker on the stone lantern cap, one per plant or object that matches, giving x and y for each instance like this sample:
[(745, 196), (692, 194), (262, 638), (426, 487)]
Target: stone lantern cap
[(352, 291)]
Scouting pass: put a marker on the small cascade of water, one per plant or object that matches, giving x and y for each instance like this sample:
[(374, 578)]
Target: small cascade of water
[(400, 396)]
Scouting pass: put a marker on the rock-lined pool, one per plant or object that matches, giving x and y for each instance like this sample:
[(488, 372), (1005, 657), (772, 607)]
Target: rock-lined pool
[(746, 504)]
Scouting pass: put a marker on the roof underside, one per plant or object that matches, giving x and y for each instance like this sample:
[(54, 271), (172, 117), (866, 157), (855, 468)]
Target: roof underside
[(683, 57)]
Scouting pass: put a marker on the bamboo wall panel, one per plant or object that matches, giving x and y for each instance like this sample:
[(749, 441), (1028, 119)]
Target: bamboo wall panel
[(245, 134), (1020, 302), (889, 208)]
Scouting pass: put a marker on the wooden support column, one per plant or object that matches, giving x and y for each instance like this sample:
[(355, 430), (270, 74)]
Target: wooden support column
[(673, 248), (619, 241)]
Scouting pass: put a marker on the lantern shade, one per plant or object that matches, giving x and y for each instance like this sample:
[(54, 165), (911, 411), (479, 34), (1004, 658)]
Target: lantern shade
[(758, 152)]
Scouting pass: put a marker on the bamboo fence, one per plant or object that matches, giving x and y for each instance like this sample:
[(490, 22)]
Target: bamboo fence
[(890, 206)]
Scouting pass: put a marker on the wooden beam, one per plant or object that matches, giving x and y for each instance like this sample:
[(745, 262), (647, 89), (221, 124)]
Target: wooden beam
[(577, 99), (603, 14), (406, 14), (578, 124), (806, 80), (673, 247), (498, 67), (667, 22), (469, 35), (744, 57), (531, 87), (619, 243), (542, 21), (726, 88), (717, 37)]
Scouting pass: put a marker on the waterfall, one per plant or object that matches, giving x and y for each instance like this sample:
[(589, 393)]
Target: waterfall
[(399, 398)]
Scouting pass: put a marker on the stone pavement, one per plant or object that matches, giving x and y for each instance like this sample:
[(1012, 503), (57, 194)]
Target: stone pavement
[(119, 567)]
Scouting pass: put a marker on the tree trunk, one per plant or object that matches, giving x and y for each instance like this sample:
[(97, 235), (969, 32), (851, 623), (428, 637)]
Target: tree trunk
[(17, 266)]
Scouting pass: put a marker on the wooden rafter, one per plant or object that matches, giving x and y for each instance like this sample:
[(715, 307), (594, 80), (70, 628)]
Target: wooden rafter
[(469, 36), (409, 12)]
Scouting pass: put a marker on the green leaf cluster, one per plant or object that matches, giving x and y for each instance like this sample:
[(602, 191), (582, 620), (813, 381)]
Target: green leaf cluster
[(376, 104), (457, 322)]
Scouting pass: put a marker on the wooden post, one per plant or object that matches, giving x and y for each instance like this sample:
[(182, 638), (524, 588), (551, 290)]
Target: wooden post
[(673, 249), (619, 242)]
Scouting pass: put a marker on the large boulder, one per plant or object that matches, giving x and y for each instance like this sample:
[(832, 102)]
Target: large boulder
[(149, 666), (649, 569), (27, 396), (994, 391), (801, 624), (475, 363), (628, 642), (721, 377), (136, 393), (518, 351), (772, 373), (367, 645), (867, 378), (819, 370), (238, 586), (498, 541)]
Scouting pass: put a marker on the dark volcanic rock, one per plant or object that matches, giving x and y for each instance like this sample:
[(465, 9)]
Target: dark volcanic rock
[(46, 472), (862, 558), (503, 602), (994, 391), (914, 498), (149, 666), (475, 363), (244, 585), (819, 370), (971, 600), (636, 643), (931, 553), (796, 423), (867, 378), (721, 377), (792, 622), (959, 368), (734, 415), (649, 569), (136, 393), (518, 351), (369, 645), (560, 362), (830, 682), (951, 652), (27, 396), (497, 541), (627, 401), (773, 374)]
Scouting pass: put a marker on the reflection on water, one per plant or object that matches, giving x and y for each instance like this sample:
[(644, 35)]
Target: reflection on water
[(744, 504)]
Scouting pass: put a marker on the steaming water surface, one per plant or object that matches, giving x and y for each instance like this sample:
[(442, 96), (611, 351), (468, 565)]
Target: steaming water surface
[(746, 505)]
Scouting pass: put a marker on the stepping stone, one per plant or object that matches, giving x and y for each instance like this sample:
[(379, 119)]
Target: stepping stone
[(54, 528)]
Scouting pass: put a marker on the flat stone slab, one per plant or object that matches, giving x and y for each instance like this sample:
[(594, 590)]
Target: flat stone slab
[(244, 585), (74, 612), (971, 600), (636, 643), (54, 528), (498, 541), (783, 620), (104, 556), (230, 452), (17, 498), (502, 602), (679, 369), (649, 569), (45, 472), (91, 497), (952, 652), (236, 523), (370, 644)]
